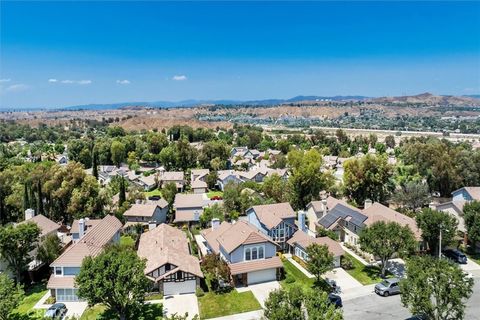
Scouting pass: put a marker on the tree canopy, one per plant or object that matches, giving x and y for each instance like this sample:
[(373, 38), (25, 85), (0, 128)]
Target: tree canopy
[(471, 214), (320, 259), (11, 295), (431, 222)]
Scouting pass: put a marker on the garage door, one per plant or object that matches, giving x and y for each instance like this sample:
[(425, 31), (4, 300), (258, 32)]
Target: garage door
[(171, 288), (262, 276)]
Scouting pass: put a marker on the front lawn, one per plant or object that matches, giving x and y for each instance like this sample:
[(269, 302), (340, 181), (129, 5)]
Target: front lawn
[(155, 192), (213, 305), (212, 194), (100, 312), (32, 295), (154, 296), (295, 277), (364, 274)]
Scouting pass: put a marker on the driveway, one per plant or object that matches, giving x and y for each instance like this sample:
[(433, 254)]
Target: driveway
[(344, 280), (75, 309), (262, 290), (396, 267), (180, 304), (470, 266)]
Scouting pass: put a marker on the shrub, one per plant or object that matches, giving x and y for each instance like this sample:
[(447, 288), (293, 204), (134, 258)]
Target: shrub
[(346, 262), (50, 300), (199, 292), (289, 279)]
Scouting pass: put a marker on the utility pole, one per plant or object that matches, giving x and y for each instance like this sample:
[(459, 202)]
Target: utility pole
[(440, 244)]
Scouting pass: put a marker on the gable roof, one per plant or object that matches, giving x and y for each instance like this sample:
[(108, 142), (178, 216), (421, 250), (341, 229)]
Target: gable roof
[(198, 184), (46, 225), (188, 201), (303, 240), (474, 192), (166, 244), (145, 209), (340, 211), (379, 212), (231, 236), (91, 244), (171, 175), (271, 215), (89, 224)]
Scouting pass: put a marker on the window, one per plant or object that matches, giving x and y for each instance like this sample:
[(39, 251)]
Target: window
[(58, 271), (167, 267), (260, 253), (179, 275), (247, 254), (254, 254)]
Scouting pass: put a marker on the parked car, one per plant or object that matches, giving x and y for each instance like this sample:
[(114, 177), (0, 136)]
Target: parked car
[(333, 285), (56, 311), (455, 255), (335, 300), (387, 287)]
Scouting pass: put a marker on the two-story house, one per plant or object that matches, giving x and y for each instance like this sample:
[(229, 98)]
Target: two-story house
[(188, 208), (275, 220), (67, 265), (146, 213), (250, 254), (176, 177), (199, 174), (170, 265)]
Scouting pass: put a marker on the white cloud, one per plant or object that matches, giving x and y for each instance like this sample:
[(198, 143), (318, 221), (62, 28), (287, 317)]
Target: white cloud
[(67, 81), (73, 81), (84, 81), (179, 77), (16, 88), (5, 80), (123, 81), (52, 80)]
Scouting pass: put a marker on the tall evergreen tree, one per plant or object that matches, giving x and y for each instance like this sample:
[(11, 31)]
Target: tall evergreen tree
[(95, 163), (39, 198), (26, 201), (122, 194)]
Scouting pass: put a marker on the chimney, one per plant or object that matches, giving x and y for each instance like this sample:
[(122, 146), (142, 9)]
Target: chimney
[(81, 228), (301, 221), (152, 225), (29, 214), (215, 223), (324, 206), (368, 204), (196, 216)]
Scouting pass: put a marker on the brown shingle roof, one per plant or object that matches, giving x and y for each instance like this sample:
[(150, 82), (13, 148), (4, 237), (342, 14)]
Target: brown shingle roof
[(198, 184), (91, 244), (46, 225), (378, 212), (188, 200), (474, 192), (256, 265), (145, 209), (304, 240), (89, 224), (60, 282), (271, 215), (172, 176), (166, 244)]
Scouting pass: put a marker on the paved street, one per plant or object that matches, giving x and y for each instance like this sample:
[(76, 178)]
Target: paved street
[(374, 307)]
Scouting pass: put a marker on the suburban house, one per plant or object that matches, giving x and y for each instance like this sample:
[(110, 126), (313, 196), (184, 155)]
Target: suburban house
[(170, 265), (146, 213), (199, 174), (275, 220), (61, 159), (226, 176), (176, 177), (81, 227), (188, 207), (253, 175), (47, 226), (67, 265), (455, 207), (301, 240), (147, 183), (238, 152), (250, 254), (199, 186)]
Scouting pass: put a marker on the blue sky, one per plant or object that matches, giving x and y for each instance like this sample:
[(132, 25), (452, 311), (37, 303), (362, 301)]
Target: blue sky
[(66, 53)]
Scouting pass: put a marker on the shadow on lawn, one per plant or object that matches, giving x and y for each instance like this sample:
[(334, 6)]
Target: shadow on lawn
[(149, 312)]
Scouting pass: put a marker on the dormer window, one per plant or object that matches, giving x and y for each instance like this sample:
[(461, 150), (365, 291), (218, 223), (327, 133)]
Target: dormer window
[(248, 254), (167, 267), (260, 253), (254, 254)]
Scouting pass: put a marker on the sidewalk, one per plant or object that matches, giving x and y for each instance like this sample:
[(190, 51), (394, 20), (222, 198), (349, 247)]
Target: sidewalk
[(357, 292), (252, 315), (356, 256)]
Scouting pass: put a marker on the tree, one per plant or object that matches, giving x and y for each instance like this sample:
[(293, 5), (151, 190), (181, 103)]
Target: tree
[(11, 295), (436, 288), (431, 222), (231, 197), (49, 249), (95, 163), (320, 259), (169, 191), (390, 141), (214, 265), (122, 194), (471, 212), (16, 243), (296, 304), (118, 152), (211, 179), (368, 178), (116, 279), (215, 211), (413, 195), (383, 239), (276, 188)]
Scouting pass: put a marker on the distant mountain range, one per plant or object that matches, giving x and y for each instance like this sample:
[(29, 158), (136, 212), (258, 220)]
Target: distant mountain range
[(426, 98)]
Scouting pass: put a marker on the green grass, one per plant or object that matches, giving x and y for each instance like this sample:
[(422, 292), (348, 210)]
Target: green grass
[(100, 312), (300, 279), (213, 305), (364, 274), (32, 295), (475, 256), (214, 193), (155, 296), (155, 192), (127, 241)]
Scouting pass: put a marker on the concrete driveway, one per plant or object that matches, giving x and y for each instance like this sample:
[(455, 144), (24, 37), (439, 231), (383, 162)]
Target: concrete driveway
[(262, 290), (470, 266), (180, 304), (344, 280), (75, 309)]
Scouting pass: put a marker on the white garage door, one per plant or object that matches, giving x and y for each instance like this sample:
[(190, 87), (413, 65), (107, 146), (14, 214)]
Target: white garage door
[(262, 276), (171, 288)]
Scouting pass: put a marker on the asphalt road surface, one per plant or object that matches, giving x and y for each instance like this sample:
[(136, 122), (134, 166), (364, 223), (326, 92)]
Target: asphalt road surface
[(374, 307)]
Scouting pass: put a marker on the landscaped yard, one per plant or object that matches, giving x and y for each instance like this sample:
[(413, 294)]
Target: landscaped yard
[(213, 305), (126, 240), (214, 193), (99, 312), (298, 277), (155, 192), (364, 274), (32, 296)]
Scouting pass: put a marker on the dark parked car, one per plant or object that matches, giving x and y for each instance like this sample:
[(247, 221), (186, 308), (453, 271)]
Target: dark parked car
[(455, 255), (154, 198), (335, 300), (56, 311)]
